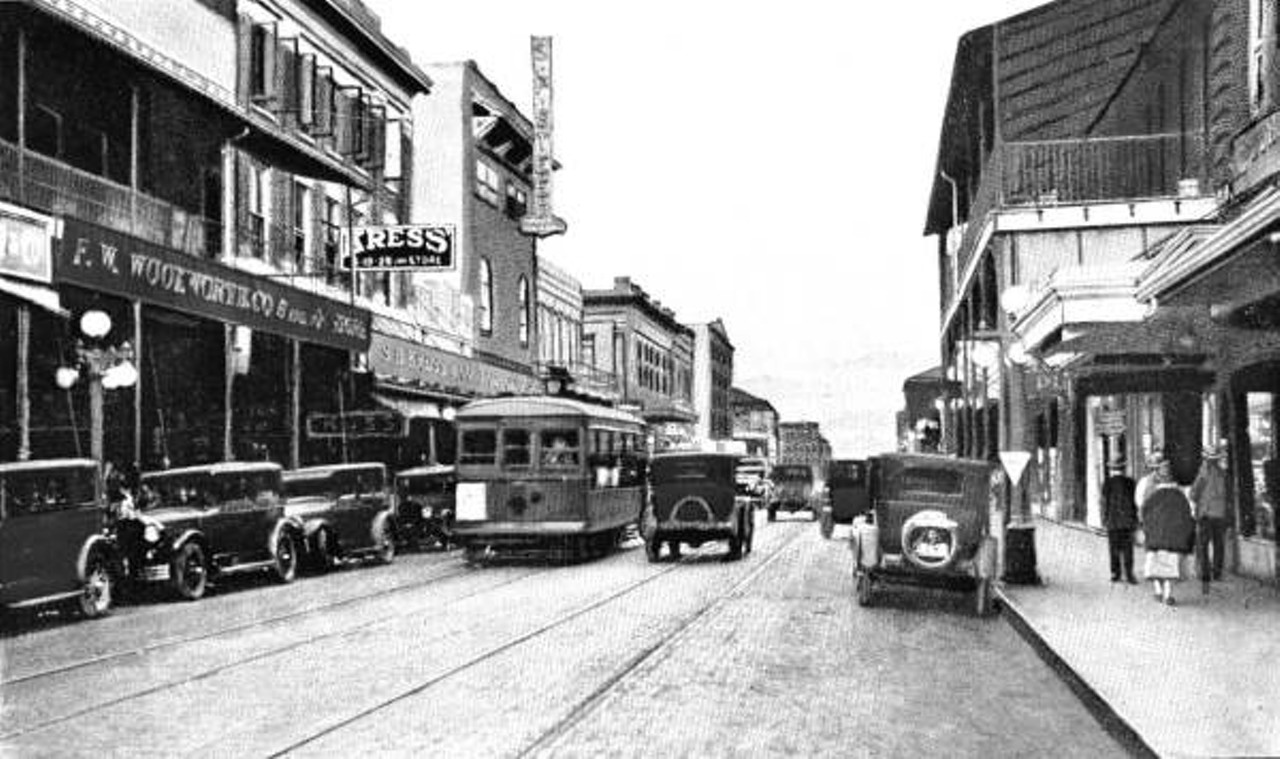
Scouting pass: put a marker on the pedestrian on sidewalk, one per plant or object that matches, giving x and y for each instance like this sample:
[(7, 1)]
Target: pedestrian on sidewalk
[(1170, 532), (1147, 482), (1120, 517), (1209, 497)]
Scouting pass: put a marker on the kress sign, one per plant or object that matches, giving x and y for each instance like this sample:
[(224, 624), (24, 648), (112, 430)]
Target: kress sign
[(402, 247)]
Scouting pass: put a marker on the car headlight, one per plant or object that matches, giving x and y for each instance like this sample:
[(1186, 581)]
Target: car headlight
[(151, 532)]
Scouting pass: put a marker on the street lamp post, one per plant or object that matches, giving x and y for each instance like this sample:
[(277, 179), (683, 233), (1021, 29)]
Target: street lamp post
[(107, 366)]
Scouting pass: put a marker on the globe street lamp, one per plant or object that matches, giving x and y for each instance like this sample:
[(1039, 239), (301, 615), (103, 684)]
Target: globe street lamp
[(107, 366)]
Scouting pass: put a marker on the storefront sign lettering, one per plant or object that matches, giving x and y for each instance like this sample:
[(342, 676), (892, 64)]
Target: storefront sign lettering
[(402, 247), (102, 259), (26, 245), (400, 358)]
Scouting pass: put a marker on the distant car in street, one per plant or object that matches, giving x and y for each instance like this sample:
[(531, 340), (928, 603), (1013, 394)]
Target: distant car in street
[(752, 477), (209, 520), (929, 526), (345, 511), (54, 545), (792, 490), (426, 497), (693, 499), (847, 495)]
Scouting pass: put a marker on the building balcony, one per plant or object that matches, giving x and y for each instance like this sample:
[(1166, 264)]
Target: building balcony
[(1075, 183), (58, 189)]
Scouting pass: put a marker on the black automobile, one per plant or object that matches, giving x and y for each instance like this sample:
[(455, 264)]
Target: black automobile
[(201, 522), (693, 499), (345, 511), (425, 500), (929, 526), (54, 545), (847, 493)]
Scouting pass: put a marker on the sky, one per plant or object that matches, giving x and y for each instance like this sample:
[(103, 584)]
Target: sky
[(766, 163)]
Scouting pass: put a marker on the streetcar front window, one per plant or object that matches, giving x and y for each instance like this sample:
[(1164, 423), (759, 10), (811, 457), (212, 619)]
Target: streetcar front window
[(479, 447), (515, 448)]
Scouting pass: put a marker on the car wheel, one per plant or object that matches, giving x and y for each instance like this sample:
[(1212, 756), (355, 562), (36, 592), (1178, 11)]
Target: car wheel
[(95, 596), (673, 548), (735, 548), (862, 587), (749, 544), (773, 513), (385, 551), (982, 597), (188, 572), (286, 563)]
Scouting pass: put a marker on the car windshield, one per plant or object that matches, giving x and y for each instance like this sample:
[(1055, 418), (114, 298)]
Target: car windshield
[(929, 480), (423, 485), (786, 473), (307, 485), (46, 490), (847, 473), (190, 489)]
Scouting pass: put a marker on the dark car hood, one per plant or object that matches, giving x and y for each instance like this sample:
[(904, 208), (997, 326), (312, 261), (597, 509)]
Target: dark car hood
[(172, 516)]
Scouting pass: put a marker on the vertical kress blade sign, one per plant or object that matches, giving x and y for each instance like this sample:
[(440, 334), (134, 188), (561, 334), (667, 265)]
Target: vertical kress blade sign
[(540, 221)]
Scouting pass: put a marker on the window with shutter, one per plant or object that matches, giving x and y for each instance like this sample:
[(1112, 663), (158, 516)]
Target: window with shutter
[(287, 81), (307, 92), (324, 106), (263, 48)]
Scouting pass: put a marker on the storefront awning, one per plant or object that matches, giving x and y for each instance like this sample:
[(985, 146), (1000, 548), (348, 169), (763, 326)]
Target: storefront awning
[(37, 295), (410, 408)]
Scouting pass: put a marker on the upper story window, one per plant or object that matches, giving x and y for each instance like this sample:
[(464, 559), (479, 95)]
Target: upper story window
[(332, 239), (1263, 55), (488, 183), (301, 202), (524, 312), (486, 297), (263, 47), (259, 196), (517, 201)]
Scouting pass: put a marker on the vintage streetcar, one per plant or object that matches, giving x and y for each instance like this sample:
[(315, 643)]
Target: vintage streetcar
[(929, 525), (847, 494), (345, 511), (550, 473), (693, 498), (199, 522), (54, 545), (425, 505)]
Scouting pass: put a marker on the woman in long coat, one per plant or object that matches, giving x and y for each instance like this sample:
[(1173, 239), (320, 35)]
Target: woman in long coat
[(1170, 531)]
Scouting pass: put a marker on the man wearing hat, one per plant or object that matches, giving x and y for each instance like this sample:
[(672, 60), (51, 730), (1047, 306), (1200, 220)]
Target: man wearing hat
[(1209, 497), (1120, 517)]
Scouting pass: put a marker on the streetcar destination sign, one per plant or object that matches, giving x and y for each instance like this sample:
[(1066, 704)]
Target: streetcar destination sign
[(405, 247)]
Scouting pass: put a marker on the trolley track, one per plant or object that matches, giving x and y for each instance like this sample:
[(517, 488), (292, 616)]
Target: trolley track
[(260, 656), (230, 629), (583, 707)]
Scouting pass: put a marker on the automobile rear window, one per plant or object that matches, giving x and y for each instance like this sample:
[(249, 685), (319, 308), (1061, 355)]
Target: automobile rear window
[(43, 491), (299, 487), (927, 480), (691, 470)]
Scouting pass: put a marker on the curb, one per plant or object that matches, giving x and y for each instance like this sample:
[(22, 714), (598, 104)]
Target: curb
[(1110, 720)]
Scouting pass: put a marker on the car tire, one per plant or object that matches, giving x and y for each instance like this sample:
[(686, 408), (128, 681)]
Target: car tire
[(96, 593), (188, 572), (773, 513), (385, 550), (735, 548), (673, 548), (285, 567), (862, 587), (749, 544)]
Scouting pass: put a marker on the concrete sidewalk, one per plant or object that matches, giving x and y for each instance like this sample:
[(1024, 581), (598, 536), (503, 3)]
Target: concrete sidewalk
[(1198, 679)]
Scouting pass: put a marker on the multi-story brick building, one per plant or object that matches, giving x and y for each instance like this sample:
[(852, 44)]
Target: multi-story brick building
[(755, 424), (186, 168), (712, 379), (804, 443), (633, 337)]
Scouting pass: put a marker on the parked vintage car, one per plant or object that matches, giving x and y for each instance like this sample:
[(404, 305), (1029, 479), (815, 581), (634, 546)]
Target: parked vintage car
[(847, 495), (929, 526), (693, 499), (54, 544), (425, 498), (792, 490), (201, 522), (345, 511)]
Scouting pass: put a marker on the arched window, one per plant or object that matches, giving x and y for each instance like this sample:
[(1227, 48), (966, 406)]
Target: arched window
[(486, 297), (524, 312)]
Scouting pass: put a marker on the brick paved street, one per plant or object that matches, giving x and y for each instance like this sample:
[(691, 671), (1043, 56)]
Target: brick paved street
[(767, 656)]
